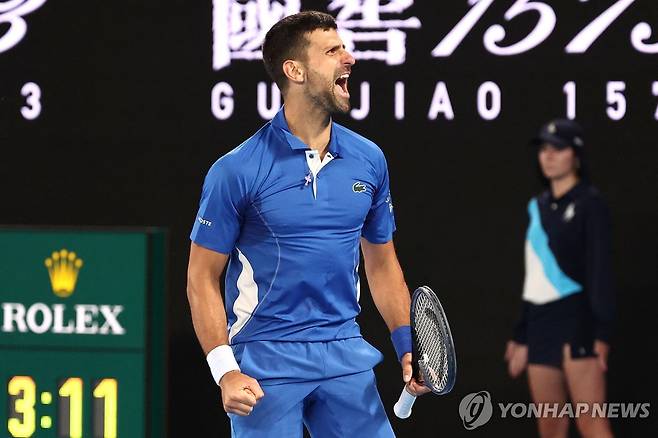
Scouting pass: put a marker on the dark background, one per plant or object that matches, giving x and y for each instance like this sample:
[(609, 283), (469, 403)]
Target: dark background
[(126, 135)]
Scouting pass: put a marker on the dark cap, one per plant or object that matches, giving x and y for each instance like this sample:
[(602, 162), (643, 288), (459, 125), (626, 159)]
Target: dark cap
[(561, 133)]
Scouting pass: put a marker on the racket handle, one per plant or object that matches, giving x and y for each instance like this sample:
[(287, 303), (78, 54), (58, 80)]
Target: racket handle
[(403, 407)]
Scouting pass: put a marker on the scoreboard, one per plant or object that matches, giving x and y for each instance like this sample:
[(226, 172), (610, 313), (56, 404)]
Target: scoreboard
[(82, 333)]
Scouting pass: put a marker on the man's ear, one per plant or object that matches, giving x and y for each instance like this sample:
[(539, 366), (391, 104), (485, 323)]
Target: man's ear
[(294, 71)]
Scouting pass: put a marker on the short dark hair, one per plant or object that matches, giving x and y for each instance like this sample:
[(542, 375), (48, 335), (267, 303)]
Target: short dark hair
[(287, 40)]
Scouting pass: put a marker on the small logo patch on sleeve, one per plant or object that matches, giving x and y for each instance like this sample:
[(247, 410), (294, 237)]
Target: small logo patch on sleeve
[(358, 187)]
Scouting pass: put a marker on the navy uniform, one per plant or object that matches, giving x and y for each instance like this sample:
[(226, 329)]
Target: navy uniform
[(568, 295)]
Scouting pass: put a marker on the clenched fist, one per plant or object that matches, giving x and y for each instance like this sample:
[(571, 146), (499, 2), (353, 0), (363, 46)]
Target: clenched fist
[(240, 393)]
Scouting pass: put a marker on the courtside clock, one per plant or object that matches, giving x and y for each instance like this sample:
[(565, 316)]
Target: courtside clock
[(82, 333)]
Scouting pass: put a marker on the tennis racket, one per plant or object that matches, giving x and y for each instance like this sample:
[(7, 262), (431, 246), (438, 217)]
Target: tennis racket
[(433, 353)]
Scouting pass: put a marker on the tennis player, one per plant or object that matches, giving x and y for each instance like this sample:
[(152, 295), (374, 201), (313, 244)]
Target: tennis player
[(287, 211), (568, 300)]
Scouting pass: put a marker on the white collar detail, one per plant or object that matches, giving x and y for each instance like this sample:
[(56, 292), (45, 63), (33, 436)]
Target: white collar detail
[(315, 164)]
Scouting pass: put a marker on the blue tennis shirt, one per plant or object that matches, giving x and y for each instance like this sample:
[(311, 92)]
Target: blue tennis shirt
[(291, 224)]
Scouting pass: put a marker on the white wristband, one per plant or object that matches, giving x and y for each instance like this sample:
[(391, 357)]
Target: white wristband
[(221, 361)]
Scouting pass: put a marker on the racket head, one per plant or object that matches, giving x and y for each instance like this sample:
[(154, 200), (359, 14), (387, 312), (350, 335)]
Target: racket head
[(433, 357)]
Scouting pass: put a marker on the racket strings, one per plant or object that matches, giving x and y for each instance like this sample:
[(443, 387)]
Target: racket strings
[(431, 338)]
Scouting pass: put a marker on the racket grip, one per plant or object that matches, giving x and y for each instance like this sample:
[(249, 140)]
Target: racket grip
[(403, 407)]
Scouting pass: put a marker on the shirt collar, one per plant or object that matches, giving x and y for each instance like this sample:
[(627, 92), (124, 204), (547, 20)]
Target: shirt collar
[(576, 190), (279, 122), (572, 194)]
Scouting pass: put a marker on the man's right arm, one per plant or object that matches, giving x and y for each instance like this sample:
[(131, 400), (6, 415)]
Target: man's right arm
[(239, 391)]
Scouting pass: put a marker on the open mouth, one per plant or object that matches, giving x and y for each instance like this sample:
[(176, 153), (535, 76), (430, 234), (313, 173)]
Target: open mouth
[(341, 85)]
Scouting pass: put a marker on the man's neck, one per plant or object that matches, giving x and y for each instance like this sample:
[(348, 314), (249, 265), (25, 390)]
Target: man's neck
[(308, 122), (560, 186)]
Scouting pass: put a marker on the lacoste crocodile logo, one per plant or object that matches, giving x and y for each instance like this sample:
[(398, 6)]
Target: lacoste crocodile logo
[(358, 187)]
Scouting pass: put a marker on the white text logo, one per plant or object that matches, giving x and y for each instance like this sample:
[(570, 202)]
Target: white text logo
[(87, 319)]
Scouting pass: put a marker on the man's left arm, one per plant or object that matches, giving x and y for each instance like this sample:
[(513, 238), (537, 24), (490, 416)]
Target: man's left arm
[(391, 296)]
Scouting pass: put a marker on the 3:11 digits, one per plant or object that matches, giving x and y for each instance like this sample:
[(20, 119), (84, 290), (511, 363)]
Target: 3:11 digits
[(22, 423)]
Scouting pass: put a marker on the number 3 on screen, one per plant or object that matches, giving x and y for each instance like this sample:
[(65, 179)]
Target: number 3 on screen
[(23, 405), (32, 94)]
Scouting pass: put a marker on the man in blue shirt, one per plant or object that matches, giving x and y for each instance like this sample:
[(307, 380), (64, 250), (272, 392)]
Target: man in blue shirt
[(287, 210)]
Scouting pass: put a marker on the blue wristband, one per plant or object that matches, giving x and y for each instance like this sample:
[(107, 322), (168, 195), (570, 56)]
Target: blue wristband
[(401, 338)]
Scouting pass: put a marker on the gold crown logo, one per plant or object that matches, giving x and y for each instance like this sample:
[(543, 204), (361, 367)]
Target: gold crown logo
[(63, 267)]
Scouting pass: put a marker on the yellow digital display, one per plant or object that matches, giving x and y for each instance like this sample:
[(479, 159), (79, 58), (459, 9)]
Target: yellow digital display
[(71, 415), (82, 333)]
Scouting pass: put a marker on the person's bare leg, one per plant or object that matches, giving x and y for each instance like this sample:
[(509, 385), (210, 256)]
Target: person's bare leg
[(548, 385), (586, 383)]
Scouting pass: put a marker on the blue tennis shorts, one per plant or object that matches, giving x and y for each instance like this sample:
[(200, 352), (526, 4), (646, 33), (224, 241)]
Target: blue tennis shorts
[(328, 386), (340, 407)]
